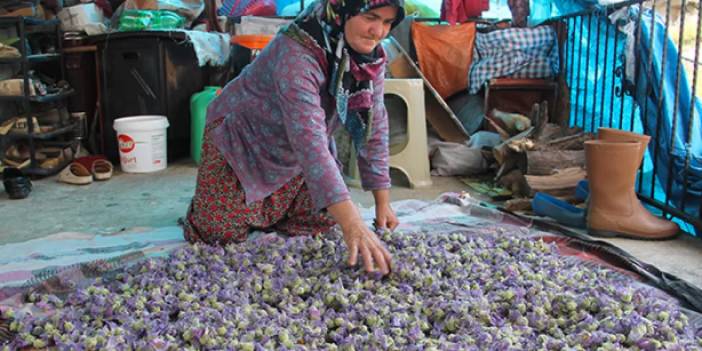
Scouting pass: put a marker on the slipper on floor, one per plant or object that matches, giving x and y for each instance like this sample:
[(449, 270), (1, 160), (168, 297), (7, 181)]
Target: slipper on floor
[(75, 173), (99, 166), (102, 169)]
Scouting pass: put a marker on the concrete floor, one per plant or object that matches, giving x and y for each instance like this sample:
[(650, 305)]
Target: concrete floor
[(159, 199)]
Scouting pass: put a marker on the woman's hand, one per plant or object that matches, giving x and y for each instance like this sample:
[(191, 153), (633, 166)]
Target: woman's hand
[(360, 239), (385, 217)]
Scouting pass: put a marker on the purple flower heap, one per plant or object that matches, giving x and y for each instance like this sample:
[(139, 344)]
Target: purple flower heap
[(447, 292)]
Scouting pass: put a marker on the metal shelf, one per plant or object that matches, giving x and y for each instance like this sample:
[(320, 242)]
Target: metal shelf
[(25, 27), (40, 98), (32, 24), (32, 58), (45, 172), (46, 135)]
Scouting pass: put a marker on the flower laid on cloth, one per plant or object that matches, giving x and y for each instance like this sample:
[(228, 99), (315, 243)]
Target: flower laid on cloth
[(447, 292)]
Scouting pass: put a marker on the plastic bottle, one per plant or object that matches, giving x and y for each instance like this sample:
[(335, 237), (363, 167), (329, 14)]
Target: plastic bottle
[(198, 114)]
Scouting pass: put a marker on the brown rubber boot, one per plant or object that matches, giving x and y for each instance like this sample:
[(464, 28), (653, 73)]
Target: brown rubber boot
[(616, 135), (613, 208)]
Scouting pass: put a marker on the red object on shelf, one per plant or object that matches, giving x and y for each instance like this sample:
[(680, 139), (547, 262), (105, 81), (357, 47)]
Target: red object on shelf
[(459, 11), (252, 41)]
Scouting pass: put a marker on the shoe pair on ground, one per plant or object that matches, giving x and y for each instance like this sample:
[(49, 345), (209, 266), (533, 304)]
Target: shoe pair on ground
[(84, 170), (613, 209)]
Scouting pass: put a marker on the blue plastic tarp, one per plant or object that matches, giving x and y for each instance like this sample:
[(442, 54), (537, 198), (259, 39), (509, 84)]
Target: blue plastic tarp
[(542, 10), (669, 118), (595, 53)]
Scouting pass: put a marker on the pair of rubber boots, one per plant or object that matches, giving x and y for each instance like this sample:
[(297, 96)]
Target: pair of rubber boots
[(613, 209)]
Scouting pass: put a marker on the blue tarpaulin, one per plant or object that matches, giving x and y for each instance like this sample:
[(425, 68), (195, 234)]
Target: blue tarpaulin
[(668, 118)]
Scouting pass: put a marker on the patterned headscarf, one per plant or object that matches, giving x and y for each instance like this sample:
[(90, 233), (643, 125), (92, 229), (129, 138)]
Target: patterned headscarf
[(350, 74)]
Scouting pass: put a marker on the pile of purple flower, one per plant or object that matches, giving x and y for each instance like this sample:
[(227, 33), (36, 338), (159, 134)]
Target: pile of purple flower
[(446, 292)]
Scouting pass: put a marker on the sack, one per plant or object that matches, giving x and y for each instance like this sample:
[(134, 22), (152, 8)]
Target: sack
[(445, 54), (455, 159)]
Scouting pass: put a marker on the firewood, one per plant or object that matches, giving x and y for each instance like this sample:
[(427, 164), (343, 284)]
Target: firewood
[(501, 151), (551, 131), (571, 142), (515, 182), (562, 183), (507, 166), (547, 162), (521, 145), (520, 204), (539, 117)]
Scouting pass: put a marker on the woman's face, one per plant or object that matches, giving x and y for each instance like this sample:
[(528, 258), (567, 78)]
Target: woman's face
[(364, 31)]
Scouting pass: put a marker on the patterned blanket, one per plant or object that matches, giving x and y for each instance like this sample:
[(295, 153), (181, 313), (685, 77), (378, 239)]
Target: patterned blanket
[(513, 53)]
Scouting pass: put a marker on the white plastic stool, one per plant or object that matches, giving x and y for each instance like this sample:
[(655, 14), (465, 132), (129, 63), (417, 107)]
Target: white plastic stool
[(412, 158)]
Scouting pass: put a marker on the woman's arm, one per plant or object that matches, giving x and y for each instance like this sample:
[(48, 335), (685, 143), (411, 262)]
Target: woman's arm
[(298, 80), (385, 217), (373, 160)]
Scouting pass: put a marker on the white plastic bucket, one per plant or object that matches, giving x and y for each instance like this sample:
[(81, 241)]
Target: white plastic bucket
[(142, 143)]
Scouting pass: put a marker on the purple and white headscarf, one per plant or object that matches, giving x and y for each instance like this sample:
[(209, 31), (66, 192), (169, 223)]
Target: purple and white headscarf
[(321, 27)]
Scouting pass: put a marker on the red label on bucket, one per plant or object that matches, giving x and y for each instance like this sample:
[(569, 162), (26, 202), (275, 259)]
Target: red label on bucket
[(126, 143)]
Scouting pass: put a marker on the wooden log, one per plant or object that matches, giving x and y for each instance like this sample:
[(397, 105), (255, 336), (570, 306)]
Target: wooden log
[(551, 131), (570, 142), (539, 119), (521, 204), (501, 151), (515, 182), (547, 162), (561, 183), (514, 160)]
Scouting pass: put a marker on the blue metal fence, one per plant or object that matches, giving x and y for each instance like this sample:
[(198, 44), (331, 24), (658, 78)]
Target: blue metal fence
[(632, 66)]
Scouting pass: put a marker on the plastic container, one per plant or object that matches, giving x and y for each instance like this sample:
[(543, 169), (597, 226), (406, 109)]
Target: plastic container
[(198, 115), (142, 143)]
